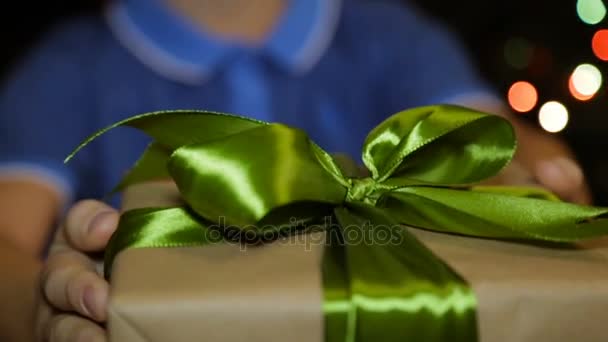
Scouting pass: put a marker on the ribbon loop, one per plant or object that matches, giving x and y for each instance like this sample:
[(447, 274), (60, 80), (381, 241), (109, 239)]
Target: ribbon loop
[(441, 145), (243, 177)]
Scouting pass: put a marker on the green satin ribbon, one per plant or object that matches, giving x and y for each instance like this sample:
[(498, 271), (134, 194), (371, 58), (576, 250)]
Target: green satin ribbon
[(248, 180)]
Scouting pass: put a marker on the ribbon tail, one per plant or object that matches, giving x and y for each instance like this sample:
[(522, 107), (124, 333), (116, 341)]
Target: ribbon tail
[(176, 128), (397, 290), (519, 191), (158, 227), (496, 214), (336, 290)]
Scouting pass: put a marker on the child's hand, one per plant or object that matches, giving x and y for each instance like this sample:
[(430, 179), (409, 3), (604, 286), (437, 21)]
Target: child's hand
[(541, 159), (73, 290), (552, 164)]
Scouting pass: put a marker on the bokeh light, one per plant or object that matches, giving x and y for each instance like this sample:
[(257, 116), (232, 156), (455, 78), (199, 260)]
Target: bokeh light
[(600, 44), (591, 11), (586, 79), (553, 116), (542, 62), (522, 96), (575, 93), (518, 53)]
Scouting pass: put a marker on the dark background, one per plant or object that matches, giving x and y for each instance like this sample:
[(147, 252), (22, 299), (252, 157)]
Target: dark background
[(558, 38), (560, 41)]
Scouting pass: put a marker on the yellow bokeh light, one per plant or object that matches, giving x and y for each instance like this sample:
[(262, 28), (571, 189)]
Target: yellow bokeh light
[(586, 79), (575, 93), (553, 116)]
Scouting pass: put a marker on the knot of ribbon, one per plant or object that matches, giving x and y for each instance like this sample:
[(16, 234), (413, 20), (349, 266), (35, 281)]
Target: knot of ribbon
[(364, 190), (424, 167)]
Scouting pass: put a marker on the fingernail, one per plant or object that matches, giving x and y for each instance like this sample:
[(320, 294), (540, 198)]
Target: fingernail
[(563, 173), (98, 220), (570, 170), (550, 171), (562, 169), (88, 298)]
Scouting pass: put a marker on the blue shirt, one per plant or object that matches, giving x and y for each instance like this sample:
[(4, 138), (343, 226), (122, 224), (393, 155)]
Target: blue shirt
[(333, 68)]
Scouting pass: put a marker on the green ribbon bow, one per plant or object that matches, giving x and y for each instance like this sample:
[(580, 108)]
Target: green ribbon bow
[(259, 179)]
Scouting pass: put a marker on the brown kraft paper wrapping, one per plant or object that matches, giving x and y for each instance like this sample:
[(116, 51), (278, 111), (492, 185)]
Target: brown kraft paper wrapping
[(273, 293)]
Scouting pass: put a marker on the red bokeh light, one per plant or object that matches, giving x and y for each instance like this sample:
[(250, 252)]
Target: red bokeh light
[(600, 44)]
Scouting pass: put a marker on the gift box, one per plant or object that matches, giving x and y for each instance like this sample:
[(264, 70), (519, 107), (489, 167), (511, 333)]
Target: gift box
[(265, 236), (273, 292)]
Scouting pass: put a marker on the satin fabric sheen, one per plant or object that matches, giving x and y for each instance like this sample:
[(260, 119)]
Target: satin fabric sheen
[(247, 181)]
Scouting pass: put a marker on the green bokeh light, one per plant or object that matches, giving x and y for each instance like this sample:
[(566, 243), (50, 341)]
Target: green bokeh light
[(591, 11), (518, 53)]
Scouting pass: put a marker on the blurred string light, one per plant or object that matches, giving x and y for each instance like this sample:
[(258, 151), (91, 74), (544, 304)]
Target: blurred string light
[(591, 11), (522, 96), (585, 81), (518, 53), (575, 93), (600, 44), (553, 116), (541, 63)]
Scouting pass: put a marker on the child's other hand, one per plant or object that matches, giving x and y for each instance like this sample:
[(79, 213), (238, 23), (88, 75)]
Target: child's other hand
[(541, 159), (552, 164), (74, 292)]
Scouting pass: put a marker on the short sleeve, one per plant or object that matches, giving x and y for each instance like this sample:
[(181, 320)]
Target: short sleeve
[(425, 63), (43, 104)]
